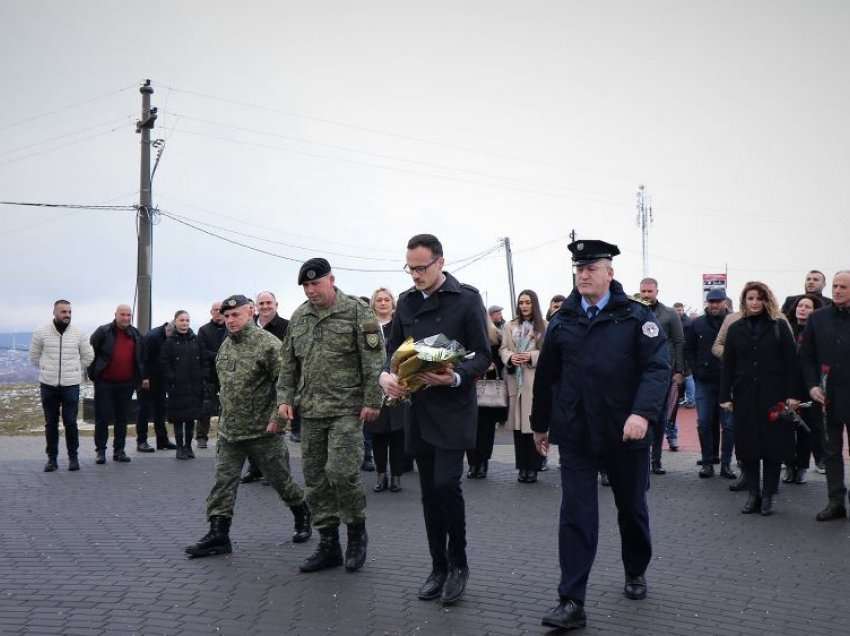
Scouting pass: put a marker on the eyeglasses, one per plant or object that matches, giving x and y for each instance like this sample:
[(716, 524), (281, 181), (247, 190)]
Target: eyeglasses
[(419, 269)]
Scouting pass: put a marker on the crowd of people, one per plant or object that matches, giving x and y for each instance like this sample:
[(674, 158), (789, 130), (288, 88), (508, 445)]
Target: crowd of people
[(603, 372)]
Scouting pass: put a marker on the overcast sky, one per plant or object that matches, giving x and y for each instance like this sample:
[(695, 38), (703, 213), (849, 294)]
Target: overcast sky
[(344, 128)]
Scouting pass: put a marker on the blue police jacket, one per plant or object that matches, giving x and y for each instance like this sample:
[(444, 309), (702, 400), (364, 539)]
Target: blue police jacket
[(591, 375)]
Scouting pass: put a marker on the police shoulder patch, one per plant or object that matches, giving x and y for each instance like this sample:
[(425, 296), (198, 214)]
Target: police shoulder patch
[(649, 329)]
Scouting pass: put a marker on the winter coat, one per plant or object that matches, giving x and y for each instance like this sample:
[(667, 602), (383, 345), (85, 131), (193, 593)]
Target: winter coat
[(826, 342), (391, 417), (591, 375), (760, 370), (720, 341), (152, 343), (671, 324), (60, 357), (519, 398), (103, 341), (444, 416), (183, 371), (699, 339), (791, 303), (277, 327)]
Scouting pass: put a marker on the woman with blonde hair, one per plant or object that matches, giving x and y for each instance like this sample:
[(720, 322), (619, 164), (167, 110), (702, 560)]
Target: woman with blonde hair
[(388, 429), (760, 379), (522, 339)]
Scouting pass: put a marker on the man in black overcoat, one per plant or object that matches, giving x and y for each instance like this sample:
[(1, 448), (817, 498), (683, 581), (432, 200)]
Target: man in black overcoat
[(825, 358), (442, 418), (151, 393), (602, 377), (210, 336)]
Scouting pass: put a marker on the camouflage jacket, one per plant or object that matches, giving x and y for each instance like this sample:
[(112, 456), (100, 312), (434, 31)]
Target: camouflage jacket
[(247, 365), (332, 359)]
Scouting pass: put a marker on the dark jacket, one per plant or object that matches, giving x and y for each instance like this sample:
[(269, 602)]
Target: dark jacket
[(103, 341), (591, 375), (826, 343), (152, 343), (210, 337), (444, 416), (391, 417), (699, 336), (671, 324), (183, 373), (760, 371), (277, 326)]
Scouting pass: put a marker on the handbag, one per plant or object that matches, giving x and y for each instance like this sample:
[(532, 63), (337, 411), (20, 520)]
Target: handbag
[(492, 393)]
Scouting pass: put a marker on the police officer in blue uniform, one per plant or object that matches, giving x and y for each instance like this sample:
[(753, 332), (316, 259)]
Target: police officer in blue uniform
[(601, 379)]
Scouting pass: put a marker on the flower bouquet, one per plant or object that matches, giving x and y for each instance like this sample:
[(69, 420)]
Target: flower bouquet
[(432, 354)]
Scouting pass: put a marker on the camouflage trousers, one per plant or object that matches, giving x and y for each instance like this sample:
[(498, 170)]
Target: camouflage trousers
[(269, 453), (331, 452)]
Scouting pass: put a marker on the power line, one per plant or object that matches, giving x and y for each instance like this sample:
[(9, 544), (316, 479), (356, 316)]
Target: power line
[(59, 147), (72, 206), (65, 108), (78, 132)]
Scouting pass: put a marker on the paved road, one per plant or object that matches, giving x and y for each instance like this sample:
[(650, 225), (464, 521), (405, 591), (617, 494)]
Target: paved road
[(100, 552)]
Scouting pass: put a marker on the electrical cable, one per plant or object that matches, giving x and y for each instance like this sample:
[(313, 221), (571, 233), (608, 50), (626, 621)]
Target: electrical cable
[(65, 108)]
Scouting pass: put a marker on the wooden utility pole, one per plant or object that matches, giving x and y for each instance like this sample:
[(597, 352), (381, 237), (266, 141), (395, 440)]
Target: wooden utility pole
[(144, 262)]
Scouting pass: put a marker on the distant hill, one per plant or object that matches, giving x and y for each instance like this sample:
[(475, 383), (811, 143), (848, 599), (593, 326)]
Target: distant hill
[(15, 367), (19, 340)]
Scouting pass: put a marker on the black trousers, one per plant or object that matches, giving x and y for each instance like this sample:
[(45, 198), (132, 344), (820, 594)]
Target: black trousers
[(440, 472), (391, 443), (658, 426), (151, 406), (486, 436), (183, 431), (810, 444), (752, 472), (578, 533), (111, 406), (833, 448), (525, 454), (66, 398)]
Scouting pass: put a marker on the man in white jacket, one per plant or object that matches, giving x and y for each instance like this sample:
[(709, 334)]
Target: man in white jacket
[(61, 353)]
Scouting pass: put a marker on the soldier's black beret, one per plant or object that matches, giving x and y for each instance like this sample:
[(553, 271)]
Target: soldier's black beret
[(234, 301), (588, 250), (314, 269)]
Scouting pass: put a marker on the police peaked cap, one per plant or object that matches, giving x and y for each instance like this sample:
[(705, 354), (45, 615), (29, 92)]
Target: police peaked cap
[(234, 301), (314, 269), (588, 251)]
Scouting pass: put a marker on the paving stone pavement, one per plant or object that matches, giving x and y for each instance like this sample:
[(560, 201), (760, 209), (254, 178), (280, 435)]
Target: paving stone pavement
[(101, 552)]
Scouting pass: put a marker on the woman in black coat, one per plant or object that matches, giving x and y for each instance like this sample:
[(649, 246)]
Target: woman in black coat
[(760, 375), (183, 370), (808, 444), (388, 429)]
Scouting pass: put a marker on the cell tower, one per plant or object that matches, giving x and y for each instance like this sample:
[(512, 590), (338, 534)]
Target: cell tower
[(644, 220)]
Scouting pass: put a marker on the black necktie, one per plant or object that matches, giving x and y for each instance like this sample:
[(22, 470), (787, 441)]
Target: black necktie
[(592, 311)]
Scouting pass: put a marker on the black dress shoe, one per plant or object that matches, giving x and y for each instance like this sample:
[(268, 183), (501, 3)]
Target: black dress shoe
[(657, 469), (739, 485), (73, 464), (567, 614), (522, 477), (831, 512), (433, 586), (753, 505), (144, 447), (51, 465), (121, 457), (368, 465), (101, 457), (726, 472), (482, 470), (166, 445), (531, 477), (790, 475), (603, 479), (472, 473), (801, 476), (767, 505), (395, 483), (635, 587), (455, 585), (706, 471)]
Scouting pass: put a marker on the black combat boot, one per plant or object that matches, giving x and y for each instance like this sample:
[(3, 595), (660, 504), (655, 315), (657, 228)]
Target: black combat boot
[(51, 465), (303, 530), (328, 554), (355, 551), (216, 541)]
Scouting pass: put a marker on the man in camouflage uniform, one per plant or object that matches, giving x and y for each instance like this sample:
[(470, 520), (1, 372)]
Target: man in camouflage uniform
[(332, 357), (247, 364)]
